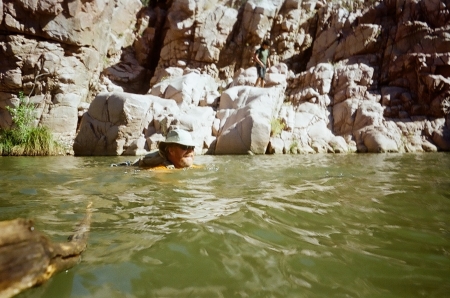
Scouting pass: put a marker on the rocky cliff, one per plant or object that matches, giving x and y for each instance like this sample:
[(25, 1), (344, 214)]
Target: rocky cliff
[(112, 77)]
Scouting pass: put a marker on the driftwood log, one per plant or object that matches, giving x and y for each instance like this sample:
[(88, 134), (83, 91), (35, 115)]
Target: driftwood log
[(28, 258)]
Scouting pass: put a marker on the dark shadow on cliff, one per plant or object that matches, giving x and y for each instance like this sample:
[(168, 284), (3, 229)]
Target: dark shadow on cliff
[(158, 13), (234, 49), (128, 73), (139, 61)]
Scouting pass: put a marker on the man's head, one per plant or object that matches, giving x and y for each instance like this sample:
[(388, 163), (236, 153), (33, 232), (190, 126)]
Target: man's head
[(266, 44), (178, 148)]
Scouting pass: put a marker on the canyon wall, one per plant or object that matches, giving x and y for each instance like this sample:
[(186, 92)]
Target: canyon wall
[(112, 77)]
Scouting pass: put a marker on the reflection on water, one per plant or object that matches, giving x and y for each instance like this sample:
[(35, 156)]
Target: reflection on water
[(244, 226)]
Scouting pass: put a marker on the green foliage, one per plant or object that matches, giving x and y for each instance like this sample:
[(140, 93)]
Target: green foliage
[(145, 2), (24, 138), (22, 117), (276, 126), (293, 147), (106, 61)]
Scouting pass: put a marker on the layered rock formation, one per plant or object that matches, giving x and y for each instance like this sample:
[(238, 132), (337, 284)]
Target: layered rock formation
[(55, 51), (365, 76)]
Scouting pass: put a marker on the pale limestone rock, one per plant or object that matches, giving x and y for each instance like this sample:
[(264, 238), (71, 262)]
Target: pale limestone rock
[(106, 85), (313, 85), (216, 127), (290, 144), (209, 145), (322, 77), (211, 35), (428, 146), (303, 120), (62, 114), (245, 114), (330, 23), (313, 131), (312, 118), (362, 40), (122, 25), (368, 114), (197, 34), (85, 23), (275, 76), (198, 120), (275, 146), (154, 139), (160, 80), (287, 114), (137, 147), (350, 75), (292, 36), (112, 123), (367, 71), (245, 77), (128, 74), (61, 73), (339, 145), (257, 19), (378, 140), (211, 99), (12, 79), (45, 7), (7, 100), (56, 81), (190, 89), (441, 135)]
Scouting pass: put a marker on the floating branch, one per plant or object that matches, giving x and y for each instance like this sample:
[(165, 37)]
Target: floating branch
[(28, 258)]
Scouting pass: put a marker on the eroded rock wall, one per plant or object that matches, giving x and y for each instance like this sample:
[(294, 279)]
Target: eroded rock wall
[(366, 76), (55, 51)]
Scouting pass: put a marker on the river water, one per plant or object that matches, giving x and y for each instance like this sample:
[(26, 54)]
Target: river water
[(358, 225)]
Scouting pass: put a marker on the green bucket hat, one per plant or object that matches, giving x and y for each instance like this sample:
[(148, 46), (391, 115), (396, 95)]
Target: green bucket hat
[(176, 136)]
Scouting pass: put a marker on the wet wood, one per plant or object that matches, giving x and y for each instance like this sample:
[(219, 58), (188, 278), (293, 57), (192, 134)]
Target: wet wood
[(28, 258)]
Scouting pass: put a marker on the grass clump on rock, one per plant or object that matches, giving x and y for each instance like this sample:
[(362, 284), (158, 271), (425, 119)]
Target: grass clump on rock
[(24, 138), (276, 127)]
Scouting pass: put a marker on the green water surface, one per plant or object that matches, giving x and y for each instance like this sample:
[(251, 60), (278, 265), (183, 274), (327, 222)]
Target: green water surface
[(359, 225)]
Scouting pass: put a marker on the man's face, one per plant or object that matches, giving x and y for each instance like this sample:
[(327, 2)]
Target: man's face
[(181, 156)]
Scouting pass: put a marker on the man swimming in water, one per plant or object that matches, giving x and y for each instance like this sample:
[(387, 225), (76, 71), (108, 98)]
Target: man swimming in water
[(177, 151)]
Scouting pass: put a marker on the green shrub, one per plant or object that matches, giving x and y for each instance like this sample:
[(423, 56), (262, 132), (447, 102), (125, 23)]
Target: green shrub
[(293, 147), (23, 138), (22, 117), (276, 126)]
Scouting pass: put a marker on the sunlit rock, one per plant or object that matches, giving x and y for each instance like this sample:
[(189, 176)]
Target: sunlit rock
[(245, 114)]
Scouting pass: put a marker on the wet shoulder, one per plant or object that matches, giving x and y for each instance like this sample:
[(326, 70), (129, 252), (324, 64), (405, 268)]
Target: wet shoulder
[(164, 168)]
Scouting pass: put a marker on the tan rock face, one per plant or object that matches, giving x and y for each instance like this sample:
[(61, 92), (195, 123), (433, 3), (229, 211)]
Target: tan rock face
[(112, 123), (54, 53), (55, 81), (372, 78), (124, 123), (245, 114), (81, 23)]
